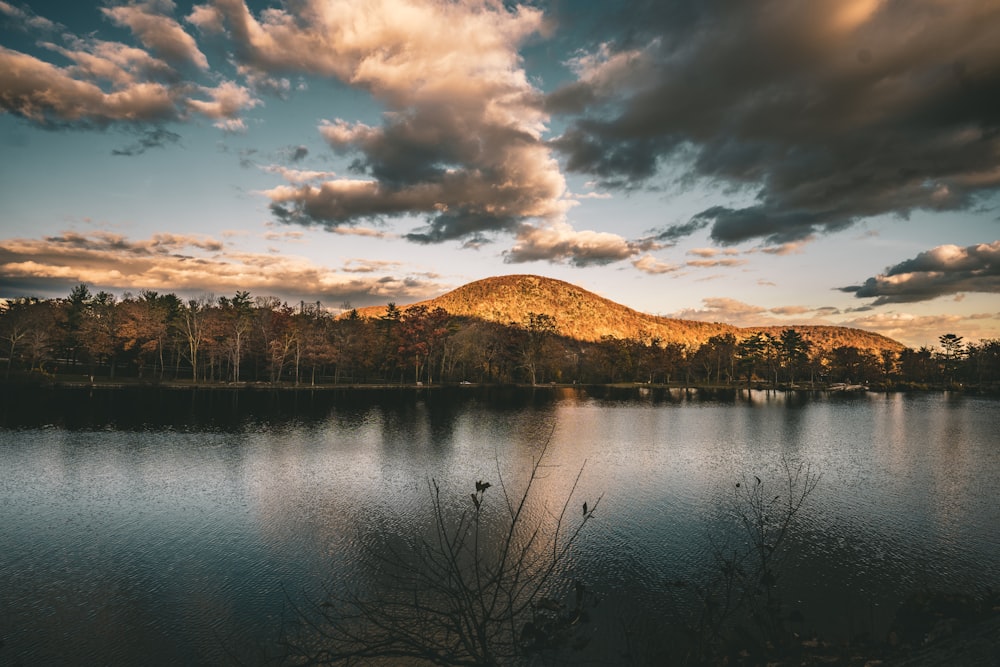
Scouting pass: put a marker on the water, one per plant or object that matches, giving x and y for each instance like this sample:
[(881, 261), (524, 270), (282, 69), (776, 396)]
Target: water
[(174, 527)]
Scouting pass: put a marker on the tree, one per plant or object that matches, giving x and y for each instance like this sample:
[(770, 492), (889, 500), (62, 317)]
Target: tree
[(849, 364), (716, 356), (238, 316), (28, 327), (421, 334), (667, 360), (772, 357), (890, 364), (190, 325), (535, 342), (76, 306), (751, 353), (984, 361), (16, 321), (615, 358), (350, 338), (100, 329), (315, 345), (953, 351), (480, 589), (278, 334), (441, 328), (138, 331), (916, 365), (388, 352), (794, 352), (43, 339), (743, 592)]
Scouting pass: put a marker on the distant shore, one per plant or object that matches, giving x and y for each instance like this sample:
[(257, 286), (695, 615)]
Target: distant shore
[(79, 381)]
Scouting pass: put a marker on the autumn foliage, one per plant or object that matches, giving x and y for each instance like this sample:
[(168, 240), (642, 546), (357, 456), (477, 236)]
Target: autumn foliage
[(513, 329)]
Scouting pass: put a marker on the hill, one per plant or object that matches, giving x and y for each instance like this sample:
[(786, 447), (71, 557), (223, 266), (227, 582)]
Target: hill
[(586, 316)]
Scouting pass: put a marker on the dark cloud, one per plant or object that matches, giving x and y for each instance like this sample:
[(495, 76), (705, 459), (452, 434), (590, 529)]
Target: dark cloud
[(247, 158), (831, 111), (26, 20), (472, 226), (40, 287), (675, 232), (942, 271), (622, 162), (571, 98), (151, 138), (340, 202)]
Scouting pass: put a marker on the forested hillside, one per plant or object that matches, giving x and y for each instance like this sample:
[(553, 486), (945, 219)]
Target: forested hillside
[(515, 329), (585, 316)]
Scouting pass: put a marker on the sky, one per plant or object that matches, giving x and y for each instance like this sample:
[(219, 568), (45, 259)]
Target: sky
[(758, 163)]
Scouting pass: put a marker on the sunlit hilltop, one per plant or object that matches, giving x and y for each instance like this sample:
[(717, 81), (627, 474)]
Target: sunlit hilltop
[(585, 316)]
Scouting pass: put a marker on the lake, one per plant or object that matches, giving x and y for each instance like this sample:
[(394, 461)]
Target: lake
[(181, 527)]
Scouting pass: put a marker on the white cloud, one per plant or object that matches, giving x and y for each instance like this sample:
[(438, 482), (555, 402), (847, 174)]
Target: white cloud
[(649, 264), (924, 330), (559, 242), (156, 31), (461, 141), (941, 271), (297, 176), (192, 265), (228, 100)]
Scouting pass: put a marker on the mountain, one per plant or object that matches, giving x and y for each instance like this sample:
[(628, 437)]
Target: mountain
[(586, 316)]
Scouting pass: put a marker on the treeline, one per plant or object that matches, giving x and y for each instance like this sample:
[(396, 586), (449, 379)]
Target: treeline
[(160, 337)]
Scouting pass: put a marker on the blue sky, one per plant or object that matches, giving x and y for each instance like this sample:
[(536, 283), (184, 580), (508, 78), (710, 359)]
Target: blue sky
[(831, 162)]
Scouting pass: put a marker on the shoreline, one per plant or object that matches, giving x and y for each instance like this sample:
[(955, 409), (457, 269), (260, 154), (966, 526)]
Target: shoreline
[(48, 382)]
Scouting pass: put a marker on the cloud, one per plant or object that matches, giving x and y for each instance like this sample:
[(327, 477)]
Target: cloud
[(827, 112), (724, 309), (156, 137), (28, 20), (559, 242), (649, 264), (278, 86), (364, 231), (110, 83), (924, 330), (739, 313), (228, 100), (207, 19), (712, 252), (343, 200), (158, 32), (910, 329), (707, 258), (189, 265), (460, 144), (791, 310), (286, 235), (298, 175), (715, 263), (68, 243), (368, 265), (50, 96), (944, 270), (789, 248), (589, 195), (676, 232)]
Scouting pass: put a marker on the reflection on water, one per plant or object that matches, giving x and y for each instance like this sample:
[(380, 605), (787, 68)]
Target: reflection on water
[(175, 526)]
